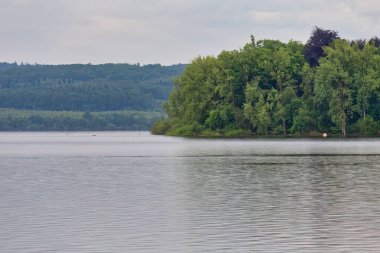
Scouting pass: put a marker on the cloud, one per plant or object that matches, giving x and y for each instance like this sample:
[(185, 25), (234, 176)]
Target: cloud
[(166, 31), (352, 19)]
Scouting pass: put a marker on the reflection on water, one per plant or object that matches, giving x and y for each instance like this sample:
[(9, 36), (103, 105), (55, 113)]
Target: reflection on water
[(131, 192)]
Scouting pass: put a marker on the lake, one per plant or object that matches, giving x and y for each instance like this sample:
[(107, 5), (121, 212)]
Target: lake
[(134, 192)]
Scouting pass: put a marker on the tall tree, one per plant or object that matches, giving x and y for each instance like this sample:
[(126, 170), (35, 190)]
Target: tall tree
[(194, 96), (287, 104), (366, 76), (335, 84), (254, 97)]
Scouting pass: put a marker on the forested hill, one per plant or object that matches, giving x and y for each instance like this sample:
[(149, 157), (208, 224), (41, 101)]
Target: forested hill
[(79, 87), (83, 97), (269, 87)]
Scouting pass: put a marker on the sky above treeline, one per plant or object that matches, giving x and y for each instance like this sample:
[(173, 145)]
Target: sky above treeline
[(166, 31)]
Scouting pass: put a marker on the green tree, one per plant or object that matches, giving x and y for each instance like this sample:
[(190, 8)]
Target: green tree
[(334, 82), (366, 76), (263, 117), (254, 103), (287, 104), (195, 92)]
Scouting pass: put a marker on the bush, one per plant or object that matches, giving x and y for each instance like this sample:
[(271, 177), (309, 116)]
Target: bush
[(368, 126), (160, 127)]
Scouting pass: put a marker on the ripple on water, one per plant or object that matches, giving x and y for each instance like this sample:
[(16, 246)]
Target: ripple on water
[(120, 194)]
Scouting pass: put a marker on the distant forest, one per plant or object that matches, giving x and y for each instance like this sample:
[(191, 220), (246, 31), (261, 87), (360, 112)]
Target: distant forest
[(271, 88), (72, 97)]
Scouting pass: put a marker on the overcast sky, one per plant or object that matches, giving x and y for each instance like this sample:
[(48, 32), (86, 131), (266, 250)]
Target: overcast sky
[(166, 31)]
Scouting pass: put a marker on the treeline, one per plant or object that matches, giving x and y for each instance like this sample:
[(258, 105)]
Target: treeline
[(79, 87), (23, 120), (272, 88)]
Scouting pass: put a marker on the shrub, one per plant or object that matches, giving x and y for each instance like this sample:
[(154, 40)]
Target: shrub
[(192, 129), (368, 126), (160, 127)]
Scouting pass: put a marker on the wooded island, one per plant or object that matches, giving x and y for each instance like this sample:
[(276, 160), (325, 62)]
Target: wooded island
[(271, 88)]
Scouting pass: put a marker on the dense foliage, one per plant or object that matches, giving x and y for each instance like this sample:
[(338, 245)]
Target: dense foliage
[(273, 88), (80, 87)]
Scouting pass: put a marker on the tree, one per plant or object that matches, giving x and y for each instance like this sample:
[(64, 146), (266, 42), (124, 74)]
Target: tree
[(229, 89), (219, 118), (375, 41), (334, 82), (319, 39), (287, 104), (366, 76), (195, 94), (254, 97), (303, 121), (263, 117)]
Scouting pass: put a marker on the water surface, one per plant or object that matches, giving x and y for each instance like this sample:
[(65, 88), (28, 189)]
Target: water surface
[(133, 192)]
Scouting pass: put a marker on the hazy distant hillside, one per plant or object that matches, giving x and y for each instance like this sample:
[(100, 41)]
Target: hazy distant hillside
[(83, 97), (79, 87), (5, 65)]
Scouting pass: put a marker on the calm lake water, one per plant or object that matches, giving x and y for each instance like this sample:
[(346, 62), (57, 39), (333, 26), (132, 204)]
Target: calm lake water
[(131, 192)]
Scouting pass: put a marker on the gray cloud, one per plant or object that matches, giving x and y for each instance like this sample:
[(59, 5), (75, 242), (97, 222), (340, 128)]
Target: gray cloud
[(166, 31)]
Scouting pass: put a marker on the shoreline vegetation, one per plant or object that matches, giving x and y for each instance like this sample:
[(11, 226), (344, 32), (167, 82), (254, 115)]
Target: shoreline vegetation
[(270, 89)]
